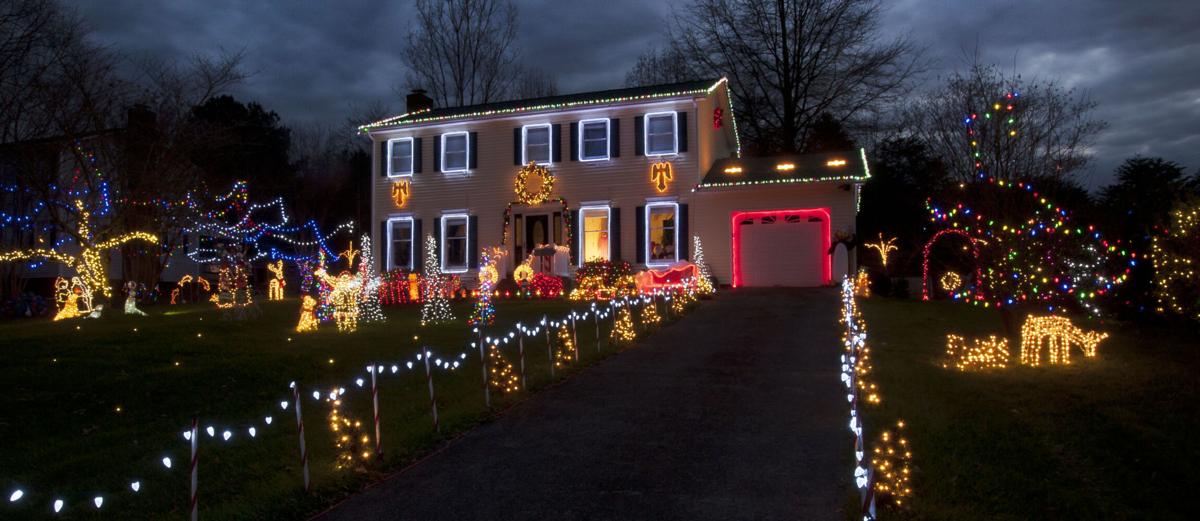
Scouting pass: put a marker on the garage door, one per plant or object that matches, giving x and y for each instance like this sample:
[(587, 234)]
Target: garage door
[(781, 250)]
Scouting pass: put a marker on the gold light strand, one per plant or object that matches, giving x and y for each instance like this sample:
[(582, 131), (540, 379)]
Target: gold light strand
[(650, 316), (892, 460), (565, 353), (501, 375), (622, 331), (1058, 333), (991, 353)]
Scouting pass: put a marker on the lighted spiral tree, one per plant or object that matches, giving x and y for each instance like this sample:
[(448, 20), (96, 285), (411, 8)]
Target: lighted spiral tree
[(1027, 249), (484, 312)]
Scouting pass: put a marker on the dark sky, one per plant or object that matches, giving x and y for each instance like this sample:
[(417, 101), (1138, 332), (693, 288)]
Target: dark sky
[(312, 59)]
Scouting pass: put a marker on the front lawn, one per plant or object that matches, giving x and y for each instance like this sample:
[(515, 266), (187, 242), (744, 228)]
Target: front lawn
[(1102, 438), (88, 406)]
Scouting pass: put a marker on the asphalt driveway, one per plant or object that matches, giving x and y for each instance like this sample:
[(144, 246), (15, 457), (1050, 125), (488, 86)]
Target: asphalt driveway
[(734, 412)]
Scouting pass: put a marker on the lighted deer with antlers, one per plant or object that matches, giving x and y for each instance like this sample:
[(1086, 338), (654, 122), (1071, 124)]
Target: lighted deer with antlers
[(1059, 334)]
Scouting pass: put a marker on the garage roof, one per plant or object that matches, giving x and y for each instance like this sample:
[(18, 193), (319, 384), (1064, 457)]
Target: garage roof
[(848, 166)]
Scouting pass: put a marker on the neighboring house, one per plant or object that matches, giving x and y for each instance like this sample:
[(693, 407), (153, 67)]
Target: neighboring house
[(639, 170)]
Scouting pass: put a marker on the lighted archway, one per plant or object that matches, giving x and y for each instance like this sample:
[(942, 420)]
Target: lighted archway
[(974, 253)]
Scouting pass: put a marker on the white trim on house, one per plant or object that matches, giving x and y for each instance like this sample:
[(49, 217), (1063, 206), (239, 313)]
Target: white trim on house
[(674, 133), (411, 240), (549, 143), (466, 248), (581, 255), (650, 262), (607, 139), (411, 157), (466, 151)]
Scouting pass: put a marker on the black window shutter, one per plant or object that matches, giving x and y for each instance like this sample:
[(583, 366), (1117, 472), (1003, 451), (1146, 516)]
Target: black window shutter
[(639, 221), (417, 155), (418, 246), (472, 154), (639, 141), (614, 138), (576, 238), (685, 240), (517, 146), (385, 250), (574, 141), (437, 153), (614, 239), (437, 234), (383, 159), (473, 240), (683, 131), (556, 147)]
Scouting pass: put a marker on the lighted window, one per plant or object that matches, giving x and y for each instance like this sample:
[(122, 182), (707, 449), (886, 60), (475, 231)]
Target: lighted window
[(454, 152), (537, 144), (455, 230), (662, 244), (660, 134), (593, 139), (400, 154), (596, 234), (400, 243)]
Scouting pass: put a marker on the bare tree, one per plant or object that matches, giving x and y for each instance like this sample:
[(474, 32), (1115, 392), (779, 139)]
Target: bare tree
[(532, 82), (1021, 129), (461, 51), (792, 60), (659, 66)]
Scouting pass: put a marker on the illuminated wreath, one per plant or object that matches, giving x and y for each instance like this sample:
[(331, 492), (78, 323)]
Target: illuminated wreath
[(542, 195), (950, 281)]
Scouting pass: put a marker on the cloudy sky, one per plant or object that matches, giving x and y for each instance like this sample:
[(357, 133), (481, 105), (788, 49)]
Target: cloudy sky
[(313, 59)]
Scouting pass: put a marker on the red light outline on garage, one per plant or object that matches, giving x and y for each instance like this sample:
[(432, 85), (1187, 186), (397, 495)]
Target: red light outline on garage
[(802, 212)]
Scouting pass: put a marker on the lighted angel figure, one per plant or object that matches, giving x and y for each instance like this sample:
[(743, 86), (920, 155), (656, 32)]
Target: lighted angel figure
[(308, 317), (131, 308), (275, 286)]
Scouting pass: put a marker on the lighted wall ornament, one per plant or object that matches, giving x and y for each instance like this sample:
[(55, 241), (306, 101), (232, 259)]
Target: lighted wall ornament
[(520, 187), (884, 248), (661, 175), (401, 192), (991, 353), (275, 285), (1058, 334)]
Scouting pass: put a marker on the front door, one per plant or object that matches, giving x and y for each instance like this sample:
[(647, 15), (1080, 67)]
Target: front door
[(537, 231)]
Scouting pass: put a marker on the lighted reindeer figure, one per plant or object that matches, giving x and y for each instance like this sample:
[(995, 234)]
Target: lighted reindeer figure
[(1059, 334), (275, 286)]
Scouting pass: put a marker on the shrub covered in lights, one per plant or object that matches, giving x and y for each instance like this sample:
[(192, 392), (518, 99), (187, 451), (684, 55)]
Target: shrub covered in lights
[(603, 280)]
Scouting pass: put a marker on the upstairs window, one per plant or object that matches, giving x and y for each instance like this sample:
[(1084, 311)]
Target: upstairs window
[(662, 244), (454, 152), (660, 134), (593, 139), (455, 230), (537, 144), (400, 154)]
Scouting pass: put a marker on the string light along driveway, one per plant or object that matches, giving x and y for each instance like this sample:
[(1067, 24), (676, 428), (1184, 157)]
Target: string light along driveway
[(731, 413)]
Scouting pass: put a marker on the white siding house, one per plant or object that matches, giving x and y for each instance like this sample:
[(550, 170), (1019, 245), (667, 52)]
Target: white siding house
[(452, 171)]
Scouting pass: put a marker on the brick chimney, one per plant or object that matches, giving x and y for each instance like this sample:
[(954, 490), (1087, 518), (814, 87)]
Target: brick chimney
[(417, 100)]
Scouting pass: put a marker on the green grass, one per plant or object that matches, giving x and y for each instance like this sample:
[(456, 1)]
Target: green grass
[(1102, 438), (63, 437)]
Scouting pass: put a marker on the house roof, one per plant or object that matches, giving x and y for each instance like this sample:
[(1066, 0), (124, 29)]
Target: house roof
[(850, 165), (565, 101)]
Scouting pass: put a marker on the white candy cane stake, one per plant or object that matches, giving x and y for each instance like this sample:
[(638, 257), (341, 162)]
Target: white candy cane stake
[(487, 395), (596, 319), (549, 348), (193, 506), (574, 337), (375, 402), (521, 349), (300, 431), (432, 399)]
